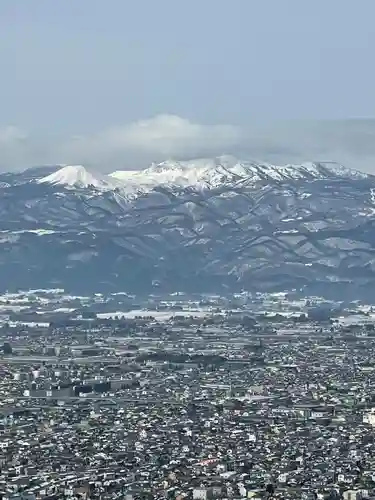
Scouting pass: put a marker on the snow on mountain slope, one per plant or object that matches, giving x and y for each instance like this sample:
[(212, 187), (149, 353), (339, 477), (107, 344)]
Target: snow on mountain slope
[(210, 173), (76, 176), (198, 174), (198, 225)]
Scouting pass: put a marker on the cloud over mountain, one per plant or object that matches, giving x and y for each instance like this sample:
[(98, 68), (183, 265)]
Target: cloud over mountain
[(351, 142), (156, 138)]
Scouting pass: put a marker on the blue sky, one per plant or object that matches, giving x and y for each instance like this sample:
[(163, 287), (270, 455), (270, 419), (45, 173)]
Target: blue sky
[(125, 82)]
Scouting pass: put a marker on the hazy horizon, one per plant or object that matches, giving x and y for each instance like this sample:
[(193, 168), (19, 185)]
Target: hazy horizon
[(114, 85)]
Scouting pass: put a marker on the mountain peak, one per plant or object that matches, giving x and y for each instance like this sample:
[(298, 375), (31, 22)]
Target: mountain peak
[(201, 173), (238, 224), (75, 176), (213, 172)]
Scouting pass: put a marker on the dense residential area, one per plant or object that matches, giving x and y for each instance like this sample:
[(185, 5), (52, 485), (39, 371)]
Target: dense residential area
[(186, 397)]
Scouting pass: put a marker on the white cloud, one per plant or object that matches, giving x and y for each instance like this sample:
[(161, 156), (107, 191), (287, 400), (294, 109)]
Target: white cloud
[(15, 148), (11, 134), (169, 135), (155, 138), (131, 145), (350, 142)]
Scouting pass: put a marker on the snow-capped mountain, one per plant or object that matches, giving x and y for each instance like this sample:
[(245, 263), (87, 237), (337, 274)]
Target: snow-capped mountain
[(198, 174), (196, 225), (210, 173), (76, 176)]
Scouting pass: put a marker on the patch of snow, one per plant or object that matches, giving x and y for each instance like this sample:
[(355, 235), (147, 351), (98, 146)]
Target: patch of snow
[(83, 256), (287, 232), (158, 315), (39, 232), (30, 324)]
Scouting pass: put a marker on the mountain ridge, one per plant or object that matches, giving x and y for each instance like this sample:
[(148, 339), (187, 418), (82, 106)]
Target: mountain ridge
[(204, 224), (203, 173)]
